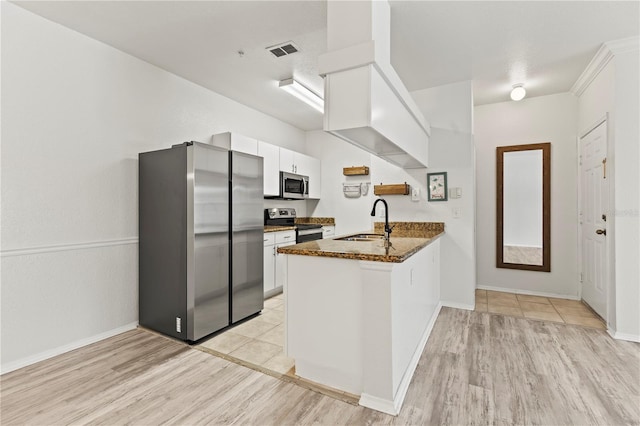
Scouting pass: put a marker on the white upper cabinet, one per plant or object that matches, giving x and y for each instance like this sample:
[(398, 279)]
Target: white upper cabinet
[(295, 162), (309, 166), (287, 162), (271, 155), (236, 142), (276, 159)]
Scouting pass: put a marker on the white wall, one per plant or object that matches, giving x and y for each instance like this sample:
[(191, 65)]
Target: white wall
[(351, 214), (449, 109), (615, 90), (541, 119), (627, 193), (75, 114), (450, 151)]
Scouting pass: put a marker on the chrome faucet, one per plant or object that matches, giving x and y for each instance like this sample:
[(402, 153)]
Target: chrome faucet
[(387, 228)]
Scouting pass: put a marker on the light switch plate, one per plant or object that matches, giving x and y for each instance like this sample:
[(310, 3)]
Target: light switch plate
[(415, 194)]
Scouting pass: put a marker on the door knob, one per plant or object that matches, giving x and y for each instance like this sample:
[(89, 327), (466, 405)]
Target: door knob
[(601, 231)]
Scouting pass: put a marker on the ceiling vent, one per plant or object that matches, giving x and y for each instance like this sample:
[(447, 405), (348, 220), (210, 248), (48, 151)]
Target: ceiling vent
[(283, 49)]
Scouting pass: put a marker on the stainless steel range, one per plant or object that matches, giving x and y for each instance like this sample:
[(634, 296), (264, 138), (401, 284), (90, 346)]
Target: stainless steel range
[(286, 216)]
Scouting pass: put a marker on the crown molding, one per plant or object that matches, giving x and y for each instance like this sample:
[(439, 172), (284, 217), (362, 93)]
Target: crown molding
[(606, 52), (625, 45)]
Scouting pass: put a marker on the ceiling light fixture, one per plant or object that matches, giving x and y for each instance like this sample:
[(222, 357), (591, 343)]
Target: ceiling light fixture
[(303, 93), (518, 93)]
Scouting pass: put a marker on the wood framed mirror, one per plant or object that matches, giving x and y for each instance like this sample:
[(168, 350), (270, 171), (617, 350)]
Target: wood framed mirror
[(523, 195)]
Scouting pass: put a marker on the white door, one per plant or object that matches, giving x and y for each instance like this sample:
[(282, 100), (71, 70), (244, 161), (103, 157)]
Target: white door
[(593, 215)]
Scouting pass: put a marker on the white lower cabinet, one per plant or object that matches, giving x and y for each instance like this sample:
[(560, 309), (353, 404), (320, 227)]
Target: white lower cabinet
[(281, 266), (269, 262), (275, 268), (328, 231)]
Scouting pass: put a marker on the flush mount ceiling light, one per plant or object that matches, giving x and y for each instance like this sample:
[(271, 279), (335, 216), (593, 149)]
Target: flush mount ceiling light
[(518, 93), (303, 93)]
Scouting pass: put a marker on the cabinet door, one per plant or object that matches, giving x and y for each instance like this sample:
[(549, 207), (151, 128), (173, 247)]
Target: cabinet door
[(287, 161), (281, 266), (328, 231), (315, 179), (309, 166), (269, 268), (271, 155)]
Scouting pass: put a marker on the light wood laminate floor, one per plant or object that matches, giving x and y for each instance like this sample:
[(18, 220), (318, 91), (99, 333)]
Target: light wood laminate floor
[(477, 368)]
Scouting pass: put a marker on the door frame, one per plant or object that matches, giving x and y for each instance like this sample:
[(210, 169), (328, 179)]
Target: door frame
[(610, 217)]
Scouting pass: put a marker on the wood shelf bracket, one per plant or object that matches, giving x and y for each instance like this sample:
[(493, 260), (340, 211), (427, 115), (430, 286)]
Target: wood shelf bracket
[(355, 171), (392, 189)]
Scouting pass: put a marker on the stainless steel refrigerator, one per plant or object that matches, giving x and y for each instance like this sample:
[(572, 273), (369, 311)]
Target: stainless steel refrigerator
[(201, 239)]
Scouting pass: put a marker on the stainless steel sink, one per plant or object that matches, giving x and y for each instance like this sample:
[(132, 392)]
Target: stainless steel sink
[(362, 237)]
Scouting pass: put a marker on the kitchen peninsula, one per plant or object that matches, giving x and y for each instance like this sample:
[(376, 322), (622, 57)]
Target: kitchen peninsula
[(358, 314)]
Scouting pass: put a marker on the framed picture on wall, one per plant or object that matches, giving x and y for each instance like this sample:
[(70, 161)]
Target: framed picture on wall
[(437, 186)]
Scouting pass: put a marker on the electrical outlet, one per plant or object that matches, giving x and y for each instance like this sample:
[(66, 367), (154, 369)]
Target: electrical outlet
[(456, 212)]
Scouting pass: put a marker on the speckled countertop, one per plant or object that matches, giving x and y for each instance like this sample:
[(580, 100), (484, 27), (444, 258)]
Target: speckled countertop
[(329, 221), (407, 238), (272, 228)]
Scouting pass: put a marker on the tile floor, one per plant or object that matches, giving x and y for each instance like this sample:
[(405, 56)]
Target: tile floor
[(258, 341), (537, 307)]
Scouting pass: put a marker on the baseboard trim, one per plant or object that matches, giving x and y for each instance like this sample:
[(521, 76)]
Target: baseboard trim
[(394, 406), (624, 336), (24, 362), (379, 404), (457, 305), (528, 292)]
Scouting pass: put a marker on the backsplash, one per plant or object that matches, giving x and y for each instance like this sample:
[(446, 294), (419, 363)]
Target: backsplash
[(411, 229), (320, 220)]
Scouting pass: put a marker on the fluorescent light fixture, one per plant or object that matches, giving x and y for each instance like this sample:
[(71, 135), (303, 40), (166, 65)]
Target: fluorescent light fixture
[(303, 93), (518, 93)]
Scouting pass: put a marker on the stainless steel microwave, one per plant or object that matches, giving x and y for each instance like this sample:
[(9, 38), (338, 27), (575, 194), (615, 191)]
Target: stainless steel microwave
[(294, 187)]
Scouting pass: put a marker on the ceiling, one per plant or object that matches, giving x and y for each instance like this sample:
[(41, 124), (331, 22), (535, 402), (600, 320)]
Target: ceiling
[(221, 44)]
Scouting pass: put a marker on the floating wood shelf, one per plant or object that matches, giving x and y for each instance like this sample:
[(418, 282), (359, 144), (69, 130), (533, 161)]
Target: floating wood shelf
[(355, 171), (394, 189)]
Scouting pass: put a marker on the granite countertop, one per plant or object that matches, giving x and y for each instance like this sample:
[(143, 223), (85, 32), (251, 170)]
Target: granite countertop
[(328, 221), (407, 239), (272, 228)]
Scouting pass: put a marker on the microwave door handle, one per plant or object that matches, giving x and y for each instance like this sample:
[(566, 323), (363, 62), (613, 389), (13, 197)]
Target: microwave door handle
[(305, 183)]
